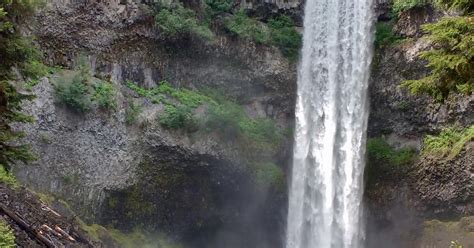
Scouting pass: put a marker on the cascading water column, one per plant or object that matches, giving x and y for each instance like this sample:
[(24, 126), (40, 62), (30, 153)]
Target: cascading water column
[(331, 120)]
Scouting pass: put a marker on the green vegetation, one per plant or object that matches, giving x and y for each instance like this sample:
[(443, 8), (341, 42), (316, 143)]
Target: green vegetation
[(177, 21), (248, 28), (455, 244), (105, 95), (138, 238), (400, 6), (280, 32), (216, 7), (466, 6), (79, 91), (176, 117), (132, 112), (285, 36), (449, 143), (384, 35), (18, 52), (383, 161), (451, 60), (7, 177), (7, 237), (269, 174)]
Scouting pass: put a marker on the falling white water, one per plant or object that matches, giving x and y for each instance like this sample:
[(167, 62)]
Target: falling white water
[(331, 120)]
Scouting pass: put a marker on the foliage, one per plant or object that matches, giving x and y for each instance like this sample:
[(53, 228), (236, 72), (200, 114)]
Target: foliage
[(384, 35), (105, 95), (449, 142), (7, 237), (455, 244), (248, 28), (285, 36), (215, 7), (269, 174), (75, 92), (131, 113), (400, 6), (384, 161), (18, 52), (466, 6), (7, 177), (177, 117), (138, 238), (451, 60), (179, 22)]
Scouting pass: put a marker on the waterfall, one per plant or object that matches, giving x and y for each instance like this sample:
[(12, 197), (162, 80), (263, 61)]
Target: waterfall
[(325, 207)]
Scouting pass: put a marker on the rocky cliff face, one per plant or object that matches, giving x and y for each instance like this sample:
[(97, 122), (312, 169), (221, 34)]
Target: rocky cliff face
[(194, 187)]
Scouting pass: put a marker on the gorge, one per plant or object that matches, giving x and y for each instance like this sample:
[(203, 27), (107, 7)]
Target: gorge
[(173, 123)]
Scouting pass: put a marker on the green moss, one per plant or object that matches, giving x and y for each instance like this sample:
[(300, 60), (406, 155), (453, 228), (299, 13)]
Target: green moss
[(7, 237), (449, 143)]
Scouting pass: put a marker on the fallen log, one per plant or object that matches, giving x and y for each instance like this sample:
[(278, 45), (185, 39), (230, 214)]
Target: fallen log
[(65, 234), (27, 227)]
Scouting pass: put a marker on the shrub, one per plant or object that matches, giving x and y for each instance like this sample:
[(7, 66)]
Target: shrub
[(176, 117), (74, 93), (466, 6), (178, 22), (215, 7), (449, 142), (247, 28), (105, 95), (451, 60), (7, 177), (384, 35), (269, 174), (131, 113), (226, 118), (7, 237), (400, 6), (285, 36), (383, 161)]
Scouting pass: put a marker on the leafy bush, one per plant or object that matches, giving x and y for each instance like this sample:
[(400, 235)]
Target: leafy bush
[(400, 6), (451, 60), (74, 93), (226, 118), (269, 174), (449, 142), (285, 36), (7, 237), (7, 177), (466, 6), (178, 22), (383, 161), (384, 35), (177, 117), (131, 113), (248, 28), (216, 7), (105, 95)]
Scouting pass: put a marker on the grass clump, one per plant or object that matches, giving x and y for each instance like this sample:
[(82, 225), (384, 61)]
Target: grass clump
[(384, 35), (248, 28), (177, 22), (285, 36), (451, 59), (105, 95), (449, 143), (7, 237), (7, 177), (399, 6), (132, 112), (384, 161), (465, 6), (177, 117)]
